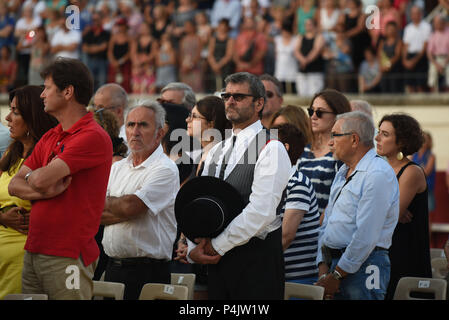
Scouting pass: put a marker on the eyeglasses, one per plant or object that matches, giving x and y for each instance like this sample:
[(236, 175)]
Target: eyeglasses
[(193, 116), (319, 113), (333, 134), (101, 107), (236, 96)]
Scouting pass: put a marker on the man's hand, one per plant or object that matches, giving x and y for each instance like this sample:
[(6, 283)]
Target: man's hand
[(17, 218), (199, 254), (330, 285), (181, 252)]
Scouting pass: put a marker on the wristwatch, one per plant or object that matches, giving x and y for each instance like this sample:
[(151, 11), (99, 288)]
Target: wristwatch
[(337, 275)]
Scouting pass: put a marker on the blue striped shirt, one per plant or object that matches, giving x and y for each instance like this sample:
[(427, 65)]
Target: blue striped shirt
[(301, 255), (321, 172)]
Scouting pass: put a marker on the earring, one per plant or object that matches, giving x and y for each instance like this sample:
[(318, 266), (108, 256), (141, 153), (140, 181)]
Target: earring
[(400, 156)]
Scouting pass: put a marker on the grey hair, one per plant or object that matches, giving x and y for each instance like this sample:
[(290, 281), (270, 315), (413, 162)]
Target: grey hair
[(362, 105), (189, 99), (159, 111), (359, 123), (275, 81), (118, 95), (256, 86)]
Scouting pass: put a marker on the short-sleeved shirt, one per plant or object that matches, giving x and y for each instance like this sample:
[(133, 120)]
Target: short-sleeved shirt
[(91, 38), (300, 256), (66, 225), (156, 182), (416, 35)]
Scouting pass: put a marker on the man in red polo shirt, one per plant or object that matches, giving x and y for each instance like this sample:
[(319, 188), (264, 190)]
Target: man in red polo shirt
[(66, 178)]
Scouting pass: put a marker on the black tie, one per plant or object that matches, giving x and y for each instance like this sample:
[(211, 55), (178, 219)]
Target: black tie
[(226, 157)]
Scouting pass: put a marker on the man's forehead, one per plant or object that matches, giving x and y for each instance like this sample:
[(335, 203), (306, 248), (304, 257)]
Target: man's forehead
[(175, 96), (140, 114), (241, 87)]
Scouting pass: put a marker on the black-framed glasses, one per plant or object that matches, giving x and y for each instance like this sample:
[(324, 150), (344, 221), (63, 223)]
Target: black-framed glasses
[(319, 113), (236, 96), (333, 134)]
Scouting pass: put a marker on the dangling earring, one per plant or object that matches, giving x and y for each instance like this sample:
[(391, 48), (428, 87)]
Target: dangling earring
[(400, 156)]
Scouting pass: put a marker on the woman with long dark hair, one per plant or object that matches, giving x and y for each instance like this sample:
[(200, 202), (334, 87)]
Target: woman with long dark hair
[(28, 122)]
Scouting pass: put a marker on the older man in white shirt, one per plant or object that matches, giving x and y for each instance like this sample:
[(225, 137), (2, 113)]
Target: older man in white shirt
[(246, 259), (139, 210)]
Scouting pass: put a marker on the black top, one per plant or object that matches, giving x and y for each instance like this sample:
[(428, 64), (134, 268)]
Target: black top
[(316, 65), (90, 38), (410, 250)]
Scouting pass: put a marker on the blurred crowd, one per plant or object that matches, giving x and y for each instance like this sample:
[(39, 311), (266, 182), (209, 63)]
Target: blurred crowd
[(307, 44)]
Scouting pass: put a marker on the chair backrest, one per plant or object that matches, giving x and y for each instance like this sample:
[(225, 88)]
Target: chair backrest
[(185, 279), (439, 268), (303, 291), (407, 285), (26, 296), (108, 289), (161, 291), (436, 253)]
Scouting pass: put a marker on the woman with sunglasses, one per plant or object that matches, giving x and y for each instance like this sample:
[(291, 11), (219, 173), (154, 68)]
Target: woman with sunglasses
[(399, 136), (28, 122), (317, 161)]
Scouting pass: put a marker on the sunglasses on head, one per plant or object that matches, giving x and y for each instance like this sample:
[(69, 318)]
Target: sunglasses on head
[(236, 96), (319, 113)]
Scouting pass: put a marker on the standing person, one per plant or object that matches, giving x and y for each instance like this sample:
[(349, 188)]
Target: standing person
[(427, 160), (165, 63), (139, 218), (253, 238), (414, 51), (39, 56), (300, 216), (360, 217), (400, 136), (8, 70), (65, 42), (317, 161), (274, 100), (221, 48), (438, 54), (66, 177), (308, 52), (119, 56), (95, 45), (28, 122), (250, 48), (370, 73), (389, 54), (113, 97), (285, 68)]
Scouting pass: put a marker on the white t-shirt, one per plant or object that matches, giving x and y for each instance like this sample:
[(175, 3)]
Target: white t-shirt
[(22, 24), (156, 182), (416, 35), (66, 38)]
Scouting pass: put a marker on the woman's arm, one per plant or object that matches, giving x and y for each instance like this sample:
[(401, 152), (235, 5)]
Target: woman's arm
[(290, 223)]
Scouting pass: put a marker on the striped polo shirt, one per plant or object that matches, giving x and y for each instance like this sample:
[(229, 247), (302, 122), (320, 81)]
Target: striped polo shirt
[(300, 256), (321, 172)]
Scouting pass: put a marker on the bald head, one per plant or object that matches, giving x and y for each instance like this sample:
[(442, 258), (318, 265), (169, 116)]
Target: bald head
[(112, 97)]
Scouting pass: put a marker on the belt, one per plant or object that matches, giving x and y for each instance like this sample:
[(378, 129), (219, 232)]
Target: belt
[(135, 261), (337, 253)]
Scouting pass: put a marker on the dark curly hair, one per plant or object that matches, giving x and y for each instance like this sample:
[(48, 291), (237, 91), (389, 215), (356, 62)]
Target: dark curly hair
[(409, 136), (291, 134)]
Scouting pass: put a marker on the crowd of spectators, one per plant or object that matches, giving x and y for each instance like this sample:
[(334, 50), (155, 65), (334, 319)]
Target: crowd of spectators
[(307, 44)]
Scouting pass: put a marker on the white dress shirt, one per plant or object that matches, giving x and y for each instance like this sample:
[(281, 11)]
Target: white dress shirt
[(156, 182), (271, 175)]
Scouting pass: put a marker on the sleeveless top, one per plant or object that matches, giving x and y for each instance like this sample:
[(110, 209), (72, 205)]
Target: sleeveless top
[(410, 249), (316, 65), (120, 50)]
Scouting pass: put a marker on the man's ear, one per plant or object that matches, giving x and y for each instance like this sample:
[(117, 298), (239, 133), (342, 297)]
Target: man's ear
[(68, 92), (259, 104)]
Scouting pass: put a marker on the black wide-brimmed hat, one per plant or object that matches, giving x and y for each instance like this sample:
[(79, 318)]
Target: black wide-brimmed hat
[(205, 206)]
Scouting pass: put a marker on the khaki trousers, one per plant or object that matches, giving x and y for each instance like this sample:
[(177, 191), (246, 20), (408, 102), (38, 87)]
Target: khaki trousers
[(61, 278)]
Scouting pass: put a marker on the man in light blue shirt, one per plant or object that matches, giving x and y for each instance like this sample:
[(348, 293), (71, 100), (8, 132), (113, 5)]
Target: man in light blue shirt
[(361, 215)]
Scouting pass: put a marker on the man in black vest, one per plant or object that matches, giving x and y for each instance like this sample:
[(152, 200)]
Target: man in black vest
[(246, 260)]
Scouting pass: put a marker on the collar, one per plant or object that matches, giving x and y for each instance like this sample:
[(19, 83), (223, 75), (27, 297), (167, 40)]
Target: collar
[(365, 163), (249, 132), (84, 121), (148, 161)]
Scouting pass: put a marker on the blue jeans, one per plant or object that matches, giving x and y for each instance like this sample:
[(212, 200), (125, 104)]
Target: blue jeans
[(370, 282), (99, 69)]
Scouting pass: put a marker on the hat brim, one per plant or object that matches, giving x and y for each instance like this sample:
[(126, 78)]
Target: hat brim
[(196, 224)]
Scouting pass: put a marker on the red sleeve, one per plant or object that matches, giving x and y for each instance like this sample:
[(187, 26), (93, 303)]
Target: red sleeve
[(35, 160), (88, 149)]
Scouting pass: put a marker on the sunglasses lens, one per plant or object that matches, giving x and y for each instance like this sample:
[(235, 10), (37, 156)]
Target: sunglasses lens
[(319, 114)]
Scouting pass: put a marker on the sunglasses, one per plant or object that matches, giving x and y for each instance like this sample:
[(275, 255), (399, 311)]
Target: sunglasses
[(236, 96), (319, 113)]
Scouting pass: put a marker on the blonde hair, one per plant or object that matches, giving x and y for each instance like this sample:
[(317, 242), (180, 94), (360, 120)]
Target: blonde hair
[(296, 116)]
